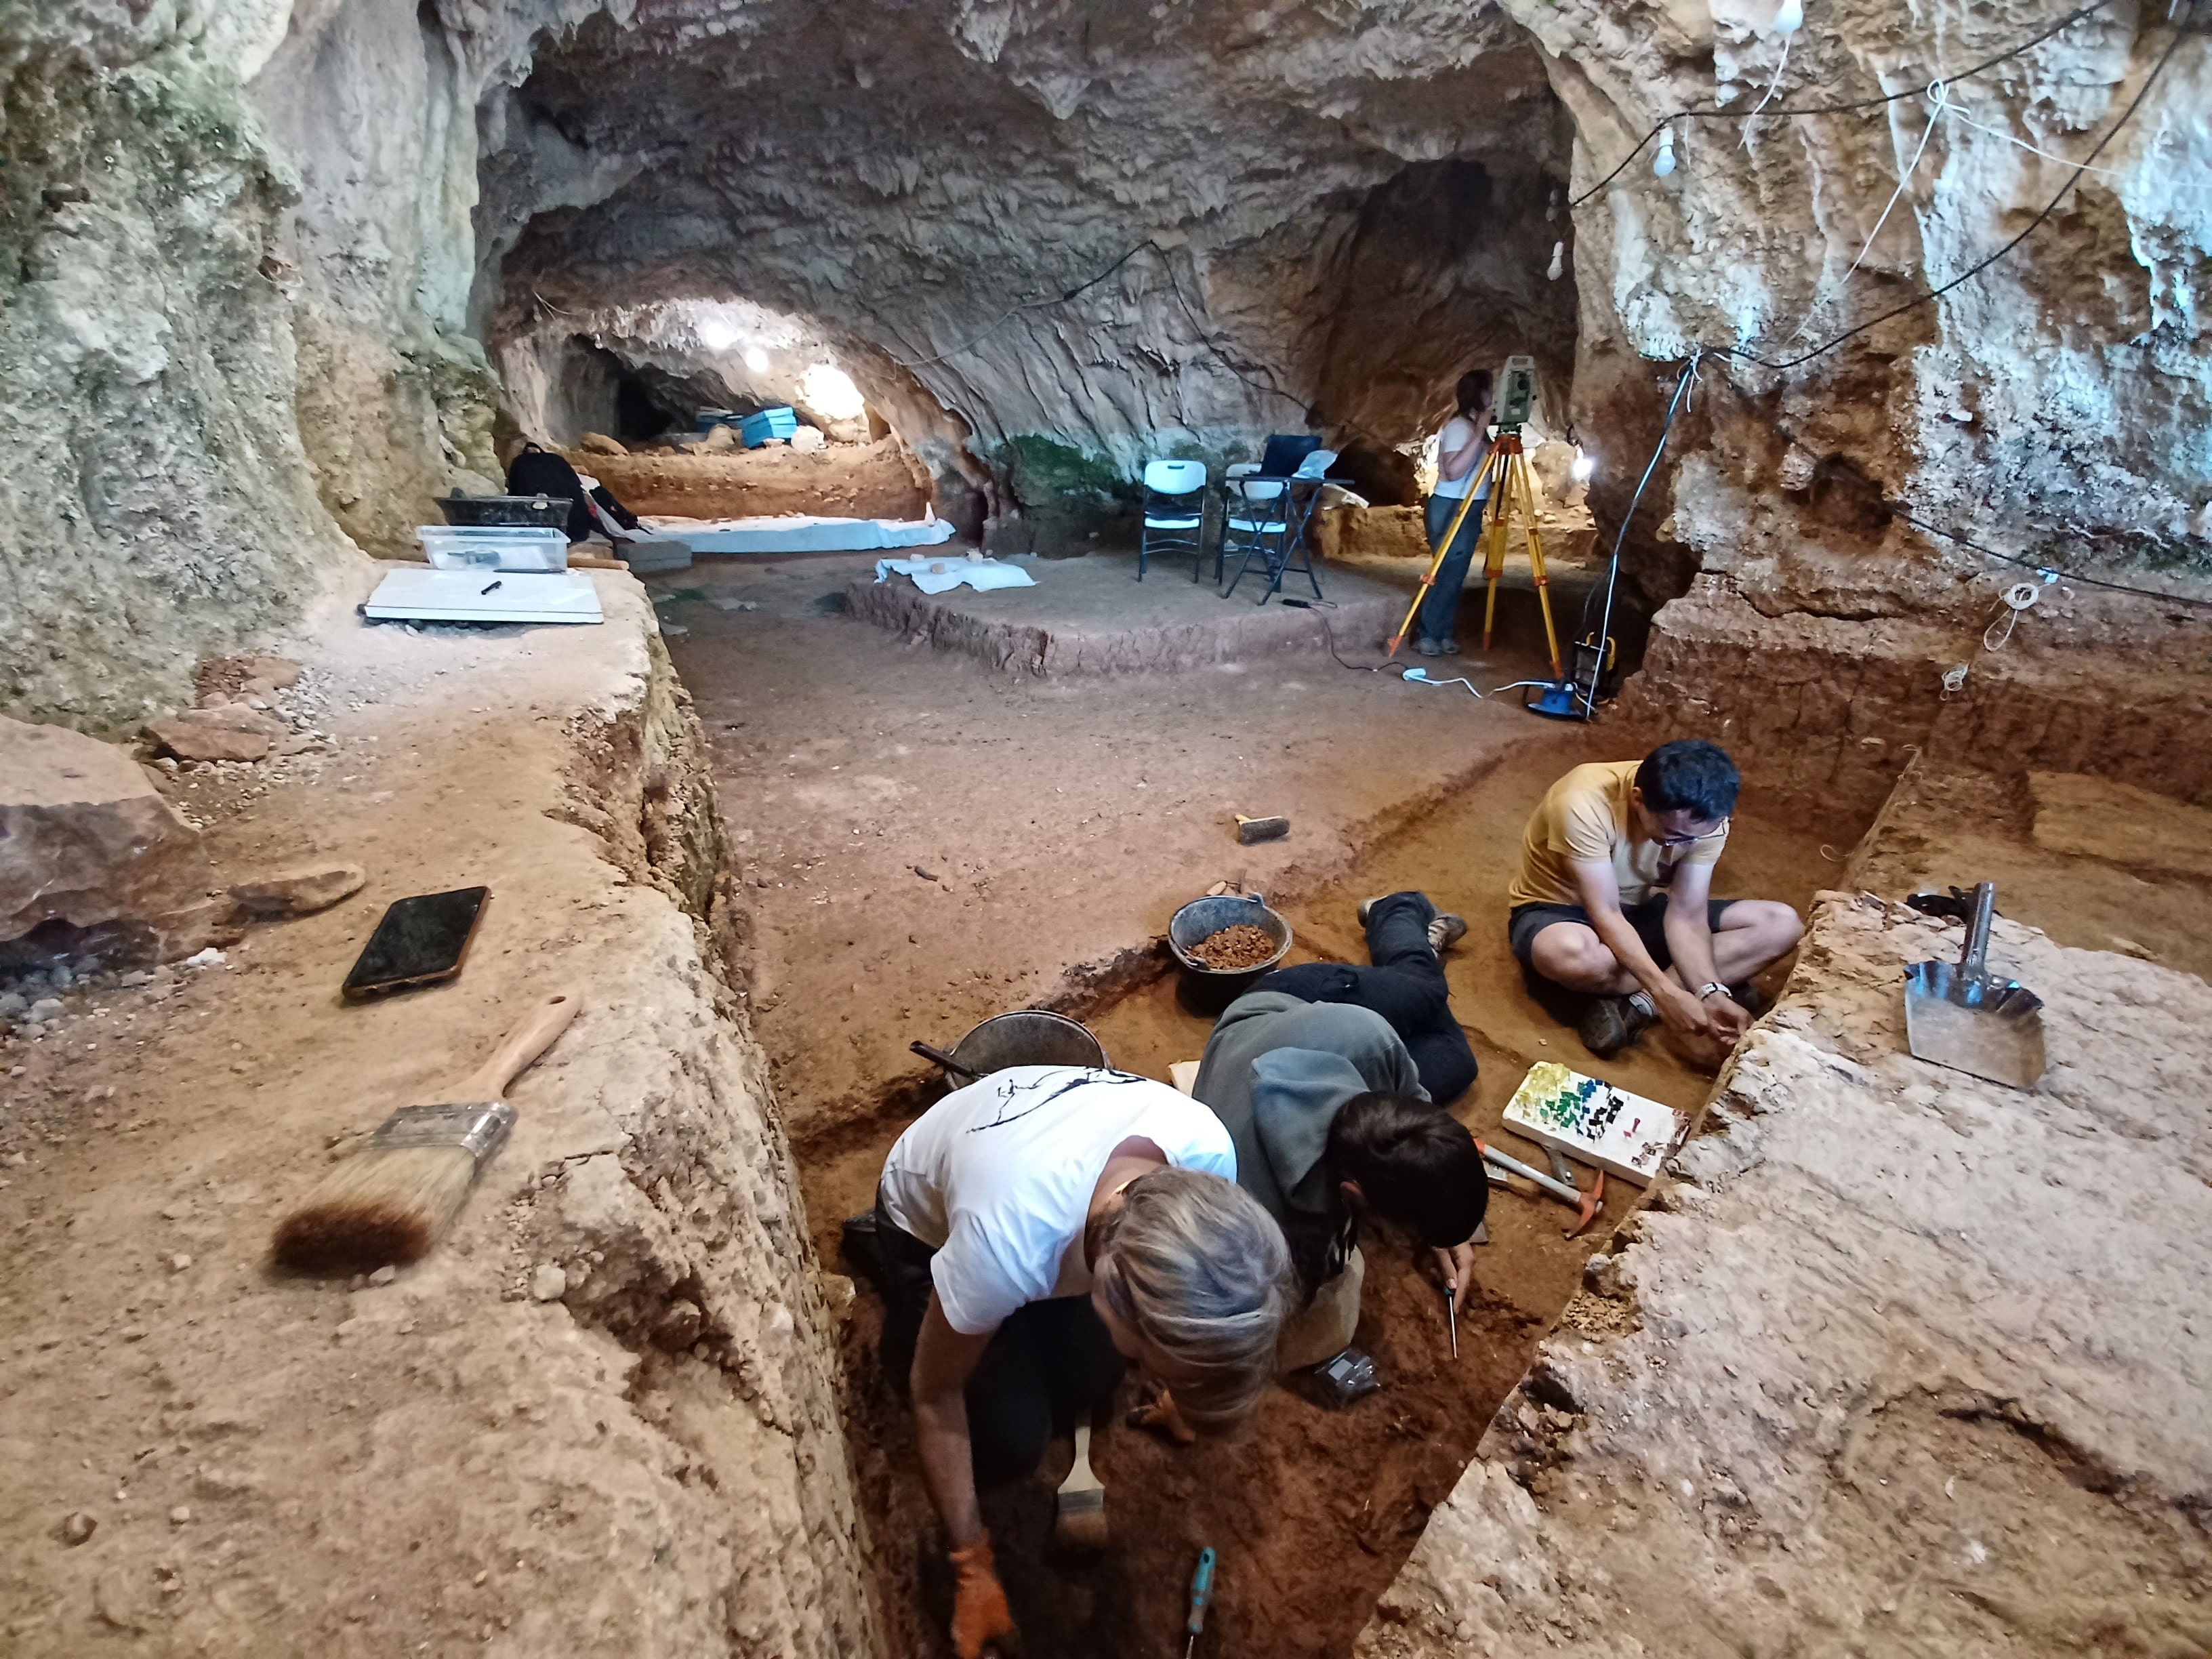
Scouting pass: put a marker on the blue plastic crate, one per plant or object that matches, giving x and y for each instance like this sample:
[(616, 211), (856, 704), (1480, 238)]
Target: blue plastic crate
[(757, 430)]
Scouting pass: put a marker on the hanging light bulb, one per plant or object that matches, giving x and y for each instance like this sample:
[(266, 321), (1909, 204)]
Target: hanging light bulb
[(1558, 261), (1663, 162), (757, 360), (1552, 207), (1790, 18), (1584, 467)]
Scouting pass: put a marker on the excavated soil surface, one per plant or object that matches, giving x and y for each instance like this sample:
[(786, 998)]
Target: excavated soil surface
[(1005, 843), (878, 480)]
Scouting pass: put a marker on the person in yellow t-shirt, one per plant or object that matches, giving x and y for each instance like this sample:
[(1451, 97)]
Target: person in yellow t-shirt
[(1614, 898)]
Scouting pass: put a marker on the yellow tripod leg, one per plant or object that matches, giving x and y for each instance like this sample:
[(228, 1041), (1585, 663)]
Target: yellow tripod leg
[(1429, 578), (1494, 535)]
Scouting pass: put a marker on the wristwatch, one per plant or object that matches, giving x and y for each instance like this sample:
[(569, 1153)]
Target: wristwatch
[(1709, 987)]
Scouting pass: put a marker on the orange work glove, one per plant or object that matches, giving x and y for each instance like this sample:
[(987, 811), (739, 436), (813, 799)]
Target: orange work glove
[(981, 1617)]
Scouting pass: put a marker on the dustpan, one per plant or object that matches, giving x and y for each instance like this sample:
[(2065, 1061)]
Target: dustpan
[(1960, 1015)]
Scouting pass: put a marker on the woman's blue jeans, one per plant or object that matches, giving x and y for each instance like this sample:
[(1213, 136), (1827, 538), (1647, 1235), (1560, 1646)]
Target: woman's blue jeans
[(1441, 608)]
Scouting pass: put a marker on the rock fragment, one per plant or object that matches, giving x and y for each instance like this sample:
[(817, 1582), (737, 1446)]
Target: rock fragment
[(548, 1284), (234, 732), (299, 891), (77, 1527), (598, 443)]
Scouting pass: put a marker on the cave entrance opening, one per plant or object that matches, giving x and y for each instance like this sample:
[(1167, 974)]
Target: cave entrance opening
[(649, 400)]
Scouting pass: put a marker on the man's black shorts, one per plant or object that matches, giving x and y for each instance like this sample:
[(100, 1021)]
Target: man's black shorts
[(1649, 919)]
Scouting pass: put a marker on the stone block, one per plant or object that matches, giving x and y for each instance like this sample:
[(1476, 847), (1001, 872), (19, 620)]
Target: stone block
[(233, 731), (85, 840), (300, 891)]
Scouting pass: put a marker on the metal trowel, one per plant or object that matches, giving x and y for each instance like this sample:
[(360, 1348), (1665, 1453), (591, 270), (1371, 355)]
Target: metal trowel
[(1962, 1016)]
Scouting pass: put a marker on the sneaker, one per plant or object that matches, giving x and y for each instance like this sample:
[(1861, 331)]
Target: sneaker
[(1610, 1024), (1446, 931), (1428, 647), (1365, 905), (1449, 647)]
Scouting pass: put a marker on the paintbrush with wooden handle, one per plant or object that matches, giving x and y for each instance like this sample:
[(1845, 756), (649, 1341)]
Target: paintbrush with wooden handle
[(388, 1202)]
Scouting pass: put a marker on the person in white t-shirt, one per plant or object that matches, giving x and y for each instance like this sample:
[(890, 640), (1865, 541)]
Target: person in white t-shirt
[(1461, 448), (1034, 1233)]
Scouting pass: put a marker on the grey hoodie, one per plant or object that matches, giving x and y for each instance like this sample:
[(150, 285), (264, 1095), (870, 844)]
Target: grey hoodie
[(1276, 1072)]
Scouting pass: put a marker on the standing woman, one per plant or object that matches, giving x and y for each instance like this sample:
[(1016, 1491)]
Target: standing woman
[(1460, 451)]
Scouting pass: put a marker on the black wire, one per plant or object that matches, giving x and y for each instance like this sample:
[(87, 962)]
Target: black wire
[(2043, 566), (1329, 640), (1716, 113), (1982, 264), (1029, 304)]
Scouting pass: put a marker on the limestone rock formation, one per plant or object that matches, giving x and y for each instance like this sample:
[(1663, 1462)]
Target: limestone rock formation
[(86, 842)]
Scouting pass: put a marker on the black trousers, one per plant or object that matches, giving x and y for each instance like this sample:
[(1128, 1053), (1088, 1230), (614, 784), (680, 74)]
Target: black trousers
[(1048, 1363), (1406, 986)]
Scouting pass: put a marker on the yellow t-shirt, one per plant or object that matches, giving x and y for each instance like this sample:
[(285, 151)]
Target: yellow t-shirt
[(1583, 818)]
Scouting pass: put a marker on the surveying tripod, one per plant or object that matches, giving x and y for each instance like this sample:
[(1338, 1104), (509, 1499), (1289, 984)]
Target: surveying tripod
[(1512, 499)]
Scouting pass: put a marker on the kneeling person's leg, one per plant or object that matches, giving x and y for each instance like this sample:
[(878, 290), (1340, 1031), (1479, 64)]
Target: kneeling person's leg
[(1557, 942), (1748, 934), (1048, 1362)]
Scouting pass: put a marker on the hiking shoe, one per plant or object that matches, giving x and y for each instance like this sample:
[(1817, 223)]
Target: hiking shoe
[(1428, 647), (1449, 647), (1446, 931), (1365, 905), (1610, 1024)]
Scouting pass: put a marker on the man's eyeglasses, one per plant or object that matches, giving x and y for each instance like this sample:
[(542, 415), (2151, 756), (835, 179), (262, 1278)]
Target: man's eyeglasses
[(1692, 840)]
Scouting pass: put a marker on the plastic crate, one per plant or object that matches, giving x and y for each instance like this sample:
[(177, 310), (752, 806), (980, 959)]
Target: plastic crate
[(757, 429), (493, 547)]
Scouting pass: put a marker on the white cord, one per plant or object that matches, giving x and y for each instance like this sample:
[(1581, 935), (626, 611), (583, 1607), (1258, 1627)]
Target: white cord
[(1420, 677), (1939, 103), (1953, 112), (1773, 87)]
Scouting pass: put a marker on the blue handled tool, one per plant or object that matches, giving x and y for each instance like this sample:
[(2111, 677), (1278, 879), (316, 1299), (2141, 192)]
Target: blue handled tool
[(1201, 1592)]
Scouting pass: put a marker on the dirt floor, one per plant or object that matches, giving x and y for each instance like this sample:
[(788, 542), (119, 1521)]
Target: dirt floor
[(878, 480), (1006, 846)]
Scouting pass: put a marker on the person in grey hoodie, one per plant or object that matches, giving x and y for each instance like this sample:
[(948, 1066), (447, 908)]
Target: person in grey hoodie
[(1331, 1124)]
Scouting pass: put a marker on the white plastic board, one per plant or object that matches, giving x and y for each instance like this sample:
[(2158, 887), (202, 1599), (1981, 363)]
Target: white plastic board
[(482, 596), (1594, 1122)]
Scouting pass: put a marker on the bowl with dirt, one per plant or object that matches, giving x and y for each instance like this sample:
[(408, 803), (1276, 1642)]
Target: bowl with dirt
[(1227, 942)]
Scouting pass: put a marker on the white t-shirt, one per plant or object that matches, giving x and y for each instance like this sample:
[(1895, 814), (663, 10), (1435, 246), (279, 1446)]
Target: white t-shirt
[(999, 1176), (1457, 430)]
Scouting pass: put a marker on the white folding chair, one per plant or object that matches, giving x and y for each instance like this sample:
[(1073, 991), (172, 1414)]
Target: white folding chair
[(1175, 513), (1282, 510)]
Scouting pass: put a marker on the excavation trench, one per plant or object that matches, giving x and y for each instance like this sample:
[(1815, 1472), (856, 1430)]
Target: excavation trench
[(923, 842)]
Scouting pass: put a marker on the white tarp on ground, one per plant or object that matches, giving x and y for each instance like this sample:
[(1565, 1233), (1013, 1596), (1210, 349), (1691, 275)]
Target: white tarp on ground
[(943, 575), (797, 532)]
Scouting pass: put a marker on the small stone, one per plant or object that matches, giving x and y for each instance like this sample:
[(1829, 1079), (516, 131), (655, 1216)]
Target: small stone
[(925, 873), (180, 1515), (44, 1009), (180, 1262), (12, 1003), (76, 1527), (548, 1284), (281, 672), (135, 978), (176, 1212), (300, 891), (598, 443), (232, 734), (384, 1275)]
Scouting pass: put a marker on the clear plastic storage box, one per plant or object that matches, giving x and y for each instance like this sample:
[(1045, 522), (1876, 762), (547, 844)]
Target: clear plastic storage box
[(493, 547)]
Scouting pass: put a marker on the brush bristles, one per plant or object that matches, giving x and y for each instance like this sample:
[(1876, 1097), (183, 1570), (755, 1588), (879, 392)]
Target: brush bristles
[(1084, 1527), (378, 1207)]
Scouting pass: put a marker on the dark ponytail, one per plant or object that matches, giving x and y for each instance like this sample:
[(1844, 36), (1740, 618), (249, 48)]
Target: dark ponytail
[(1473, 391)]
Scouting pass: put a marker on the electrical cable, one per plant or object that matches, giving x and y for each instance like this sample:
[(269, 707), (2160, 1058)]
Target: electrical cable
[(1028, 304), (1716, 113), (1588, 697), (2044, 568)]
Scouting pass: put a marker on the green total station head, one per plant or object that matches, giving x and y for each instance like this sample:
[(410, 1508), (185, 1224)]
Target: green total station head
[(1518, 394)]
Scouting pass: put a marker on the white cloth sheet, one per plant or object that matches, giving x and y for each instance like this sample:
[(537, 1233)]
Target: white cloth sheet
[(943, 575), (799, 533)]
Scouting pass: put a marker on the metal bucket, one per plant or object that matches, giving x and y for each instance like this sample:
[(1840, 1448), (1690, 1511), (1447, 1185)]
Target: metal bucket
[(1028, 1037), (1200, 919), (1207, 990)]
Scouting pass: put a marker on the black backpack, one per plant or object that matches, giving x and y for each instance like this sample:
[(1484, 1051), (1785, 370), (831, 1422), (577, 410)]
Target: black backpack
[(538, 471)]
